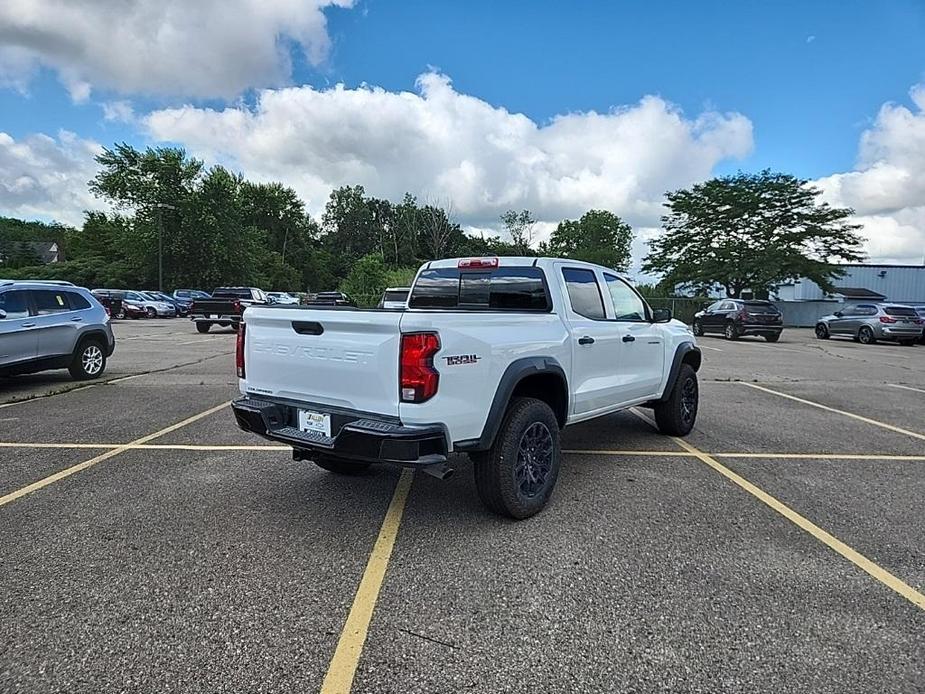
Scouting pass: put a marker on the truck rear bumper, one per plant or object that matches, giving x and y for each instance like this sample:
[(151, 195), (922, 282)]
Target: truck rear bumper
[(359, 438)]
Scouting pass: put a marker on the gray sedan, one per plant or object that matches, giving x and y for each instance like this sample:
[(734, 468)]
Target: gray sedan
[(868, 323)]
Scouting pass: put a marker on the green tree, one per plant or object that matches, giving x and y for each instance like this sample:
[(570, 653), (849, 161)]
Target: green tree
[(598, 237), (367, 279), (752, 231), (520, 226)]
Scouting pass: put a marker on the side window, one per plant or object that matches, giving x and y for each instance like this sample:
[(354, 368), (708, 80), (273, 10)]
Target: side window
[(868, 310), (48, 302), (714, 306), (15, 304), (77, 302), (584, 293), (728, 306), (626, 303)]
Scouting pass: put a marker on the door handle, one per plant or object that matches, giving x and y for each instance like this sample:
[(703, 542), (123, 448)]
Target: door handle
[(78, 319), (28, 325), (629, 338), (586, 340)]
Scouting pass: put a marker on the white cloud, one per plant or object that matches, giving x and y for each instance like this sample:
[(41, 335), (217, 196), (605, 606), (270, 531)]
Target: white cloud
[(441, 144), (195, 48), (119, 111), (887, 187), (47, 177)]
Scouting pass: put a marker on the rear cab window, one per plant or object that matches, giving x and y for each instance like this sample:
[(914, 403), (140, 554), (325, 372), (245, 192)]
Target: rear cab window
[(515, 288), (584, 292)]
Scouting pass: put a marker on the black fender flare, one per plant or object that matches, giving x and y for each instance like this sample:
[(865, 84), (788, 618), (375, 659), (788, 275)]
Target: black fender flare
[(515, 372), (683, 349)]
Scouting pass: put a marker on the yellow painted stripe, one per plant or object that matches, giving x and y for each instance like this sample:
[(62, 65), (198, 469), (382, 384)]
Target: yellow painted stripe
[(852, 555), (67, 472), (655, 454), (896, 385), (867, 420), (342, 668)]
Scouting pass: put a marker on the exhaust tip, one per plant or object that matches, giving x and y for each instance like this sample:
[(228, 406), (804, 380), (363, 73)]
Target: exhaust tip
[(441, 471)]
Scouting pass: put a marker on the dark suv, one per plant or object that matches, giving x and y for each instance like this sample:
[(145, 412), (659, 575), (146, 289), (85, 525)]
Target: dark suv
[(736, 317)]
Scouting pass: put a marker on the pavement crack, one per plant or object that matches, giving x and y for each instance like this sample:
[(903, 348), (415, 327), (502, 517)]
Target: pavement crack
[(428, 638)]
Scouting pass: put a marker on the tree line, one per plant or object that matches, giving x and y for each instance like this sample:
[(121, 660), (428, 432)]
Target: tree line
[(213, 227)]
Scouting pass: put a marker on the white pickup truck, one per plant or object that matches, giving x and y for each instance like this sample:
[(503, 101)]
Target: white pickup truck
[(492, 357)]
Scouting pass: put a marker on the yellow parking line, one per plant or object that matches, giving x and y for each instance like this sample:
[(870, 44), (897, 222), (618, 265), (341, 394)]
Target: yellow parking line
[(819, 456), (656, 454), (896, 385), (867, 420), (343, 665), (35, 486), (852, 555)]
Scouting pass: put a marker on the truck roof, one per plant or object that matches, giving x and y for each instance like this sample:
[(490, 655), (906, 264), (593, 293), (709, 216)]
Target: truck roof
[(518, 261)]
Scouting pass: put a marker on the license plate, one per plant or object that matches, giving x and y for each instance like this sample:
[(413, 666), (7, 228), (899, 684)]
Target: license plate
[(212, 315), (315, 422)]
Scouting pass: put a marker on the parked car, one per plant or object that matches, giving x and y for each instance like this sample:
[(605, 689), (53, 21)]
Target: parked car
[(868, 323), (492, 358), (283, 298), (52, 326), (921, 311), (181, 306), (225, 306), (734, 318), (395, 298), (119, 306), (190, 294), (330, 299)]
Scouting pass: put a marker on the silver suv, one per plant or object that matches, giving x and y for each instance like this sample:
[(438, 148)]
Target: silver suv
[(868, 323), (51, 326)]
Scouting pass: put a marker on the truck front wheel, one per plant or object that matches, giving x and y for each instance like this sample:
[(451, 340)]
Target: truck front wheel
[(340, 466), (516, 477), (676, 415)]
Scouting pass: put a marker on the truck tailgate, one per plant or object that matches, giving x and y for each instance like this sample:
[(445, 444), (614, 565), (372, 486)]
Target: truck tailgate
[(341, 358)]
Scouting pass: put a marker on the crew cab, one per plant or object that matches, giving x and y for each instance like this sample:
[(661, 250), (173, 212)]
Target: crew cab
[(224, 307), (492, 358)]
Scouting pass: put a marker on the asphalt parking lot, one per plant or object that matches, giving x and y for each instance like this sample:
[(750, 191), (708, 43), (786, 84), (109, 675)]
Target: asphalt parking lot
[(147, 545)]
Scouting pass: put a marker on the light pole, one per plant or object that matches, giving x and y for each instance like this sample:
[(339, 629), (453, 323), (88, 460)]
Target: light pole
[(160, 242)]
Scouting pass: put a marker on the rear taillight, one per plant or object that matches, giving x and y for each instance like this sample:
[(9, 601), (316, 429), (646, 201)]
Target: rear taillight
[(418, 378), (239, 349), (743, 314), (887, 319), (918, 321), (237, 306)]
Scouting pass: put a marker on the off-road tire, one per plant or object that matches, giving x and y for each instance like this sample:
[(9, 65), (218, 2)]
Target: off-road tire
[(203, 327), (677, 414), (89, 360), (866, 336), (340, 466), (496, 470)]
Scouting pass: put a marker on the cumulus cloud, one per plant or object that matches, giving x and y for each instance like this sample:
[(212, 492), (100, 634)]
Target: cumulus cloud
[(887, 186), (47, 177), (440, 144), (195, 48)]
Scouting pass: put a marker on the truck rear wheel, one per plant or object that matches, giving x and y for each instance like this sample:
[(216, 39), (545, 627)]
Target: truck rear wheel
[(203, 327), (340, 466), (676, 415), (517, 476)]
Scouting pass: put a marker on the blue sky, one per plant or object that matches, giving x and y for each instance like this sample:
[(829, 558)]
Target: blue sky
[(809, 78)]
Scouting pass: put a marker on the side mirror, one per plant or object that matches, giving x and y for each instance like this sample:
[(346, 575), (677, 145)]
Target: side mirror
[(2, 314), (838, 314), (661, 315)]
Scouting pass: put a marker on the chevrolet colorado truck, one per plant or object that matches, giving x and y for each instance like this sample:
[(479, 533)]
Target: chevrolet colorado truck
[(492, 358)]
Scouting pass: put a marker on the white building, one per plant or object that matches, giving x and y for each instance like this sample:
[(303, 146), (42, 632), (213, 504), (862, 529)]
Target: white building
[(803, 302)]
